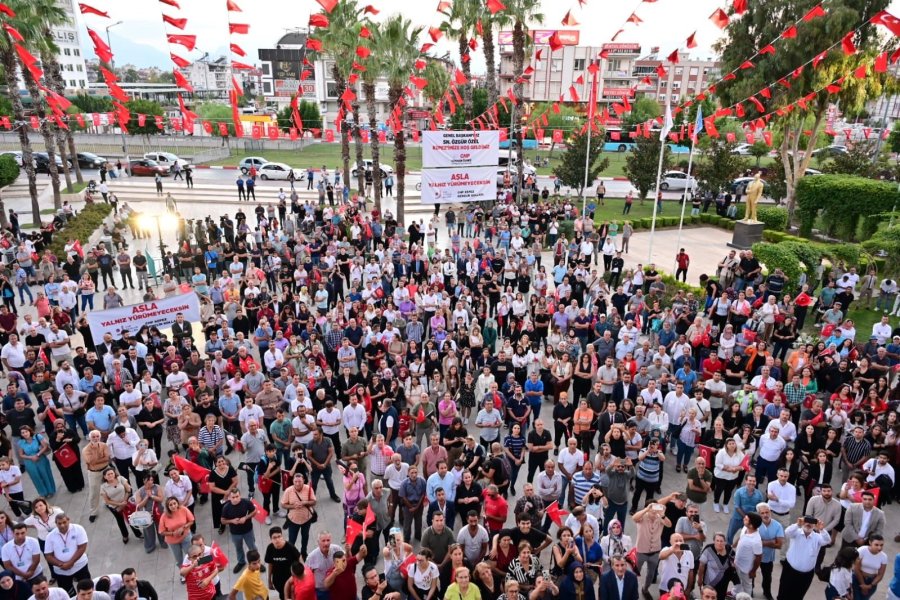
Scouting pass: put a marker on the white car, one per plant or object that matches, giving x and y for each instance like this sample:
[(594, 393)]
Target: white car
[(676, 180), (251, 161), (166, 159), (275, 170), (742, 149), (385, 168)]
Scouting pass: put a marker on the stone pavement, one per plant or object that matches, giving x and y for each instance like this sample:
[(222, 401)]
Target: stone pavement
[(107, 554)]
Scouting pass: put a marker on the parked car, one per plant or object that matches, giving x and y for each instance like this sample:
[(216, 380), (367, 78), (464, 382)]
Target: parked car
[(89, 160), (742, 149), (166, 159), (144, 167), (42, 162), (275, 170), (251, 161), (385, 168), (832, 150), (676, 180)]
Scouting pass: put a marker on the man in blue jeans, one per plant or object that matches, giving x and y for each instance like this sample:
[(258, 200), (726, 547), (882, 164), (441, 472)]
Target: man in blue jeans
[(320, 453), (745, 501), (238, 514)]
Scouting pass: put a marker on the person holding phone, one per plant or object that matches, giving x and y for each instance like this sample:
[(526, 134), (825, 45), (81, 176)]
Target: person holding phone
[(676, 562)]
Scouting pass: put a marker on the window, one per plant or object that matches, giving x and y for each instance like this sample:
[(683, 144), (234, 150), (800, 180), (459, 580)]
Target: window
[(76, 51), (679, 71), (267, 88), (694, 71), (79, 68), (267, 69), (579, 64), (556, 65), (81, 82), (67, 52), (71, 83), (69, 68)]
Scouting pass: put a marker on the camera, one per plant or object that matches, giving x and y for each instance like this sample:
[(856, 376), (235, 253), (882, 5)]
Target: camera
[(684, 546), (695, 518)]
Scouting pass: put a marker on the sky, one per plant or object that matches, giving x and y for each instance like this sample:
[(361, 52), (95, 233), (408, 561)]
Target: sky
[(666, 23)]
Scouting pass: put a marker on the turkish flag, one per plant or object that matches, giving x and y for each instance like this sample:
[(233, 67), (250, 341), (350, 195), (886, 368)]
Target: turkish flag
[(177, 23), (354, 530), (328, 5), (79, 118), (382, 137), (207, 127), (816, 11), (615, 136), (740, 7), (555, 42), (220, 558), (557, 136), (364, 134), (261, 513), (223, 129), (745, 463), (204, 483), (503, 135), (293, 134), (256, 132), (881, 63), (555, 513), (888, 20), (673, 58), (729, 137), (749, 137), (87, 9), (370, 10), (318, 20), (569, 20), (415, 135), (363, 52), (238, 28), (329, 135), (706, 452), (35, 122), (188, 41), (195, 472), (719, 18), (847, 44), (273, 132), (691, 42), (142, 119), (158, 121), (495, 6), (232, 6), (313, 44), (767, 137), (179, 61)]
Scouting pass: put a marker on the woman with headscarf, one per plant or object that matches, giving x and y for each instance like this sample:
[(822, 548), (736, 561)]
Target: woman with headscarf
[(13, 589), (576, 585), (615, 542)]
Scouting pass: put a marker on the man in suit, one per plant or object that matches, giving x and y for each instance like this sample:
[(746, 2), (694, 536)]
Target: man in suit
[(182, 329), (608, 418), (624, 388), (861, 521), (619, 583), (134, 365)]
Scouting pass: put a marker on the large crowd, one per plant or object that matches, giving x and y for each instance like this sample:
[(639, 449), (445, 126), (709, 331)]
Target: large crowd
[(492, 416)]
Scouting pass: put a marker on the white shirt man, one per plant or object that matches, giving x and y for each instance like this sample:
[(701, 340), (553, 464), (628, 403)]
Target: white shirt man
[(674, 566), (786, 428), (63, 545), (771, 445), (874, 468), (782, 496), (123, 449), (330, 420), (131, 400), (355, 415), (13, 354), (22, 555), (676, 402), (303, 426)]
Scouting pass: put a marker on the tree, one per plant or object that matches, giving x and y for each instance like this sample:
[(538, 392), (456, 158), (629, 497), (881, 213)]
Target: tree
[(571, 169), (372, 72), (339, 42), (92, 104), (6, 107), (894, 139), (150, 108), (856, 161), (460, 21), (9, 170), (642, 110), (487, 26), (217, 113), (642, 162), (717, 166), (396, 38), (758, 150), (763, 22), (479, 105), (438, 83), (309, 114)]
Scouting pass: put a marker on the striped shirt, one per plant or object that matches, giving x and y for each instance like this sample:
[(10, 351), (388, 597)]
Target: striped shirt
[(857, 450), (209, 439), (515, 444), (581, 485), (648, 469)]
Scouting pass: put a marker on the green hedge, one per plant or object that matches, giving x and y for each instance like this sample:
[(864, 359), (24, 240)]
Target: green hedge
[(778, 256), (849, 207), (80, 227), (774, 217)]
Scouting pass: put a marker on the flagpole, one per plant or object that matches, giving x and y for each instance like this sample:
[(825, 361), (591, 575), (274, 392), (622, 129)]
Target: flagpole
[(590, 128), (687, 195), (662, 151)]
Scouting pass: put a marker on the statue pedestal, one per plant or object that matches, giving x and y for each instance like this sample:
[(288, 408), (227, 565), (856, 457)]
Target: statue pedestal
[(746, 233)]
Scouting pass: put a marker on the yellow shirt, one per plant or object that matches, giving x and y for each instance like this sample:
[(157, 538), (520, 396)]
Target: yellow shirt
[(453, 593), (251, 585)]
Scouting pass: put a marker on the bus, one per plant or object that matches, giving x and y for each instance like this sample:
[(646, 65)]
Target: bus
[(624, 143)]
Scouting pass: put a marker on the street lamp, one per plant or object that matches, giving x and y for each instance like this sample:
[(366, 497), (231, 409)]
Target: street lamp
[(108, 43), (113, 65), (165, 220)]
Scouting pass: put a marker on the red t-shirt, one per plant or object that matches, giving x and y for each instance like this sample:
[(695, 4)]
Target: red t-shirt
[(193, 579), (344, 585), (495, 507), (304, 589)]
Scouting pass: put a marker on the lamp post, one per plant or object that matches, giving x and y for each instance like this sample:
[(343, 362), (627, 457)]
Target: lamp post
[(166, 219), (121, 129)]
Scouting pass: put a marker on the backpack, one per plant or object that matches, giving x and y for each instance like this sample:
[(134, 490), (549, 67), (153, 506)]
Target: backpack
[(507, 468)]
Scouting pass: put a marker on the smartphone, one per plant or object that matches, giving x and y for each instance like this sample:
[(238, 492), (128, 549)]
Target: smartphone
[(695, 518), (685, 546), (205, 560)]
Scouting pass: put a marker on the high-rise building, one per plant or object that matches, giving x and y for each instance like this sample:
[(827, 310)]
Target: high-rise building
[(70, 57)]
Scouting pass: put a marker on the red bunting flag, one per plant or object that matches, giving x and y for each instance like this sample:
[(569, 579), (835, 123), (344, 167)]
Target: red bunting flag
[(887, 20), (817, 11), (445, 5), (188, 41), (235, 49), (574, 94), (729, 137), (556, 514), (765, 93), (13, 32), (328, 5), (881, 63), (435, 33), (767, 49), (4, 9), (238, 28), (749, 137), (173, 3), (495, 6), (313, 44), (181, 62), (557, 136), (691, 41), (740, 7), (759, 106), (195, 472), (790, 32), (817, 60), (767, 138), (364, 32), (35, 123), (747, 65), (87, 9), (232, 6), (833, 88), (318, 20), (673, 58), (555, 42), (569, 20), (181, 82), (370, 10), (847, 44), (633, 18), (719, 18), (363, 52), (177, 23), (101, 49), (459, 78), (861, 72)]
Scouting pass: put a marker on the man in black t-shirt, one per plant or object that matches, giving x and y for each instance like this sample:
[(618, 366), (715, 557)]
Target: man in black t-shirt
[(539, 443), (238, 514), (279, 557), (375, 587)]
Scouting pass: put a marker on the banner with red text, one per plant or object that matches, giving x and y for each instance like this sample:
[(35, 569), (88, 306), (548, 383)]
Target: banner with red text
[(468, 184), (158, 313), (460, 148)]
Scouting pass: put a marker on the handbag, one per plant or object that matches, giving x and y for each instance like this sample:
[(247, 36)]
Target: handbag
[(65, 456), (313, 515)]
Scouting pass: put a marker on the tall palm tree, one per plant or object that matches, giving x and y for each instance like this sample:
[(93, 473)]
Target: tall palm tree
[(368, 84), (339, 42), (522, 13), (396, 40), (32, 18), (461, 19), (488, 21), (10, 68)]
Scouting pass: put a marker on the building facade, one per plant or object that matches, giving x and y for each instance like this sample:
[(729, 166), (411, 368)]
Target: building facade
[(212, 79), (70, 57)]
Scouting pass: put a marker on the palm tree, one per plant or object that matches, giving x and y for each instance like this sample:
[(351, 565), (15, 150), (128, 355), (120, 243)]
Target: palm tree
[(396, 40), (521, 13), (368, 78), (487, 26), (31, 20), (10, 67), (461, 19), (339, 41)]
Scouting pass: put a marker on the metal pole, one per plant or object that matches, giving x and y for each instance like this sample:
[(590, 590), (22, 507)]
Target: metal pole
[(662, 148), (587, 157), (512, 125), (687, 196), (884, 124), (162, 250)]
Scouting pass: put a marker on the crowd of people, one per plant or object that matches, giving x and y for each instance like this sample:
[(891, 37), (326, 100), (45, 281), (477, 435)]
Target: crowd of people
[(493, 416)]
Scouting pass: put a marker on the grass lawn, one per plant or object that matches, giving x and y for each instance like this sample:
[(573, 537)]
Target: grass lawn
[(864, 319)]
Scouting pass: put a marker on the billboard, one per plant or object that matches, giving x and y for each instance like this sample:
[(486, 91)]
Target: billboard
[(460, 149), (468, 184), (541, 37)]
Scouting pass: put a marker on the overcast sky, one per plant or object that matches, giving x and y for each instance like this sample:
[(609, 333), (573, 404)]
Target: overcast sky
[(666, 23)]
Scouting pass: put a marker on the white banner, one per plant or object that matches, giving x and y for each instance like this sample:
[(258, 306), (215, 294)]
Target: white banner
[(460, 148), (474, 184), (159, 313)]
